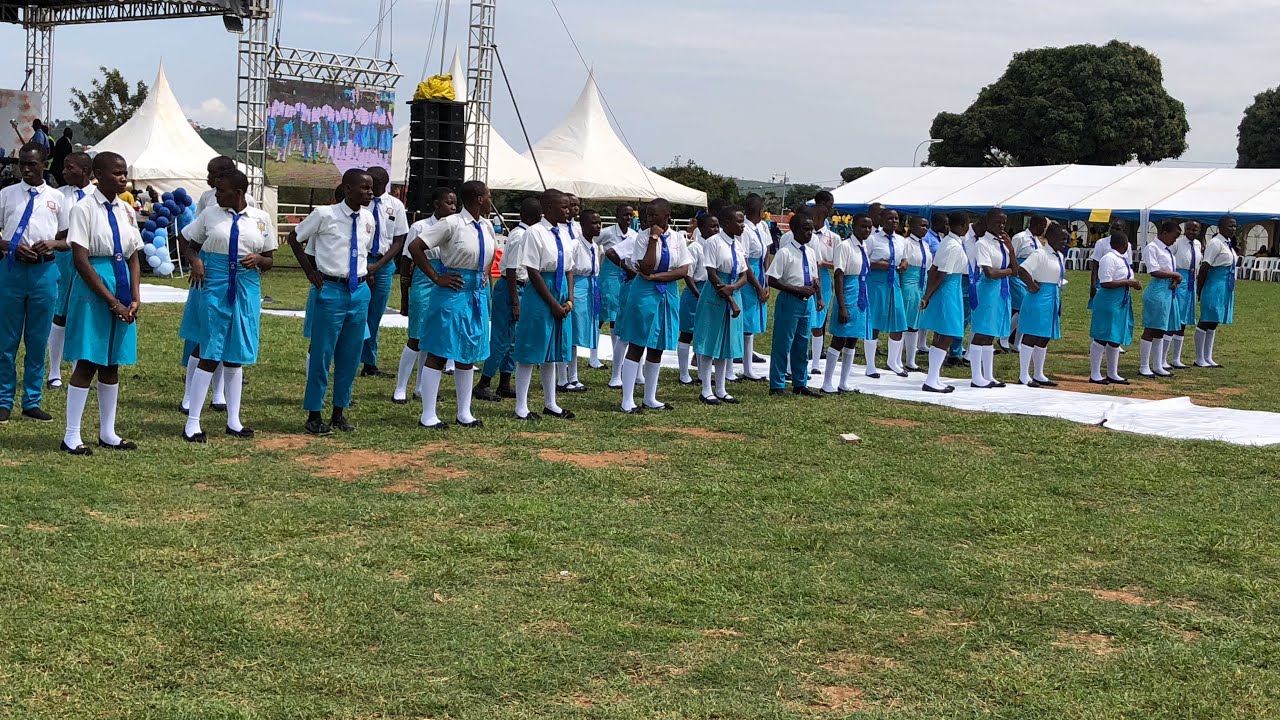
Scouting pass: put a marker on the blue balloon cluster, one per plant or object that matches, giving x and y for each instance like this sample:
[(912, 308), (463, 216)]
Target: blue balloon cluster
[(177, 207)]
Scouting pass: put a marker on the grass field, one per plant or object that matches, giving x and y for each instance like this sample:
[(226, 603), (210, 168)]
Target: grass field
[(710, 563)]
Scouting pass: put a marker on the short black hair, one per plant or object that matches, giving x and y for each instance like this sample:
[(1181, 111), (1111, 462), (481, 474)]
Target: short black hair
[(352, 176), (995, 212), (823, 197), (618, 210), (530, 210), (860, 217), (716, 205), (1170, 226), (959, 217), (438, 194), (704, 220), (105, 159), (1119, 236), (753, 202), (471, 191), (79, 158), (1054, 230), (223, 162), (379, 174), (1225, 218), (235, 179), (727, 213), (660, 205), (36, 148), (588, 212), (550, 196)]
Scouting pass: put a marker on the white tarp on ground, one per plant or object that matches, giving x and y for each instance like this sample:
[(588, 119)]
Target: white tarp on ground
[(1177, 418), (162, 148), (1072, 191), (585, 157)]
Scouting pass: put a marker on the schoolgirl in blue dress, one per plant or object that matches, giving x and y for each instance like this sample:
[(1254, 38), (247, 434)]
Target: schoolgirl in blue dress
[(444, 202), (942, 307), (236, 243), (544, 333), (613, 275), (1161, 314), (919, 258), (457, 314), (1112, 323), (993, 316), (694, 284), (102, 309), (887, 252), (718, 336), (755, 297), (587, 298), (851, 316), (1044, 273), (1189, 252), (1217, 289)]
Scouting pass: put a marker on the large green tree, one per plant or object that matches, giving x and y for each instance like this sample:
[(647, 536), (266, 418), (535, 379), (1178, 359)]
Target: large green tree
[(107, 105), (1088, 104), (691, 174), (1259, 145), (850, 174), (798, 195)]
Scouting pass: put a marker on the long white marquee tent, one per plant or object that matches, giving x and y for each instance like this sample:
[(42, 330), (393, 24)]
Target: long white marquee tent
[(1072, 192)]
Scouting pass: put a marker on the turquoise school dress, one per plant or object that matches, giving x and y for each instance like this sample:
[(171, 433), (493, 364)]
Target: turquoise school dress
[(718, 333), (66, 270), (456, 324), (1160, 303), (755, 314), (993, 315), (540, 337), (884, 288), (652, 318), (109, 230), (913, 283), (856, 297), (588, 300), (1112, 320), (1218, 298)]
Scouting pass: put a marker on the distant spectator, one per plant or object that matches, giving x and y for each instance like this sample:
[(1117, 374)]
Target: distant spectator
[(40, 136), (61, 150), (1262, 252)]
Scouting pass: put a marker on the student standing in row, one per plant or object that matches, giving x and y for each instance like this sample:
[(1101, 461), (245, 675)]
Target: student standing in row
[(544, 334), (236, 244), (942, 308), (457, 317), (992, 318), (755, 297), (102, 311), (390, 228), (1044, 272), (694, 283), (1189, 253), (507, 293), (794, 274), (623, 254), (718, 337), (444, 202), (887, 253), (1024, 244), (335, 258), (919, 258), (823, 245), (78, 173), (612, 275), (1217, 289), (651, 317), (852, 318), (938, 229), (29, 212), (1161, 316), (586, 296), (1112, 323)]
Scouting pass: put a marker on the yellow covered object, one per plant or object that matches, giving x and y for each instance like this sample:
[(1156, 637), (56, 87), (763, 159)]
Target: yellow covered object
[(436, 87)]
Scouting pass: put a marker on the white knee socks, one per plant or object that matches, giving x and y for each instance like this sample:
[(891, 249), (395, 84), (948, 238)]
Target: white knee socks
[(989, 364), (1210, 337), (430, 394), (937, 358), (846, 367), (562, 374), (1096, 352), (1113, 364), (57, 337), (463, 381), (909, 348), (197, 391), (1038, 357), (1173, 357), (977, 363), (704, 374), (869, 349), (723, 366), (233, 386), (630, 369), (748, 355), (108, 396), (76, 399), (219, 393), (815, 352), (651, 384), (524, 378), (894, 361), (549, 387), (422, 378), (829, 371), (1144, 357), (683, 353), (404, 373), (619, 351), (595, 356), (1025, 354), (193, 362), (1200, 340)]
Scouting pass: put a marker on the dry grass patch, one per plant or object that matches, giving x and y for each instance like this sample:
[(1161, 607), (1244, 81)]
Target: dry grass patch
[(699, 433), (285, 442), (548, 628), (721, 633), (895, 422), (968, 442), (601, 460), (836, 699), (1092, 643), (850, 663), (182, 516)]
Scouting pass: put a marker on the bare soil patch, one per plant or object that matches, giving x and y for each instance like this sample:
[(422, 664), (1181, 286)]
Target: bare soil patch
[(1126, 596), (849, 663), (895, 422), (721, 633), (699, 433), (548, 628), (285, 442), (539, 435), (838, 699), (351, 465)]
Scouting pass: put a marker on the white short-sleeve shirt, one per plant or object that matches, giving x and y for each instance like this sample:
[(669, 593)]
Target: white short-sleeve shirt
[(1045, 266), (677, 250), (1159, 257), (209, 198), (1025, 243), (1104, 246), (1188, 252), (392, 219), (756, 237), (1113, 267), (951, 257), (990, 253), (697, 262), (74, 195), (417, 229), (849, 255), (586, 257), (720, 252), (1218, 253), (211, 230), (511, 253), (916, 250), (91, 229), (824, 241), (878, 247), (788, 265), (614, 235), (327, 233), (538, 251), (458, 238), (45, 211)]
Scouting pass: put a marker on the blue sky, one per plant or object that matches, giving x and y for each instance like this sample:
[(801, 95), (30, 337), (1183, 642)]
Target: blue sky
[(750, 88)]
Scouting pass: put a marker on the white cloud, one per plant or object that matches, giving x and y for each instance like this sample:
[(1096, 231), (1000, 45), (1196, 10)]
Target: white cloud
[(212, 112)]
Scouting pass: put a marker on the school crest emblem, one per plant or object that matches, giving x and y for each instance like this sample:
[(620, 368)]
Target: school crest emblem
[(53, 206), (368, 227), (262, 227)]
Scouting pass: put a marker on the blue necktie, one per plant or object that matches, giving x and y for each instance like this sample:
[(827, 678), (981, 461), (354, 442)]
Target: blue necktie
[(124, 288), (233, 257), (480, 240), (377, 225), (924, 262), (893, 262), (572, 234), (1231, 276), (733, 250), (1062, 278), (664, 263), (1192, 244), (559, 260), (353, 280), (1128, 270), (595, 287), (1004, 265), (804, 262), (79, 194), (862, 279), (22, 227)]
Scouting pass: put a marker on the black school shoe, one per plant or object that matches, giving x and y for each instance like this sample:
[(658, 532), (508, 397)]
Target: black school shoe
[(342, 423), (563, 414), (37, 414), (437, 425), (373, 372), (243, 433), (486, 395), (218, 407), (805, 392), (708, 400), (199, 438), (317, 427), (477, 423), (941, 391), (122, 446), (78, 450), (506, 394), (777, 391)]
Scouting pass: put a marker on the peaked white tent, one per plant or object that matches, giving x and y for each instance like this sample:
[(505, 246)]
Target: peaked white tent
[(162, 148), (584, 156)]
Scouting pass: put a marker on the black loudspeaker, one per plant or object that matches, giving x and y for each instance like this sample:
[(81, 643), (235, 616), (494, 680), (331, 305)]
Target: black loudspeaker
[(437, 150)]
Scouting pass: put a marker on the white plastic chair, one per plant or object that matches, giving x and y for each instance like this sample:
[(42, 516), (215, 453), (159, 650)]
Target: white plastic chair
[(1076, 258), (1260, 268), (1246, 267)]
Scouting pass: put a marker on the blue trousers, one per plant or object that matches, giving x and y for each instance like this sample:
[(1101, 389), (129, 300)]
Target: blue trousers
[(340, 320), (27, 294), (502, 338), (379, 294), (791, 332)]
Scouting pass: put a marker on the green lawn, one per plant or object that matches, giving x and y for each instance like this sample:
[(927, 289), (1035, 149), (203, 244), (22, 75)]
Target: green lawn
[(711, 563)]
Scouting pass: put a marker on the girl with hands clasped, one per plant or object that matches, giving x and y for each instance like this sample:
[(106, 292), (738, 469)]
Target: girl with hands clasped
[(1112, 322)]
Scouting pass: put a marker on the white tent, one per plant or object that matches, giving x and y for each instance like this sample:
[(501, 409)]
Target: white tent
[(161, 147), (584, 156), (1072, 191)]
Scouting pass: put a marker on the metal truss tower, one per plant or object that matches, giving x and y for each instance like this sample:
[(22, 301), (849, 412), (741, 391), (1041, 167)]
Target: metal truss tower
[(251, 95), (480, 52)]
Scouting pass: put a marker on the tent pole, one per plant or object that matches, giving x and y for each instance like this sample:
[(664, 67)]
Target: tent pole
[(519, 117)]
